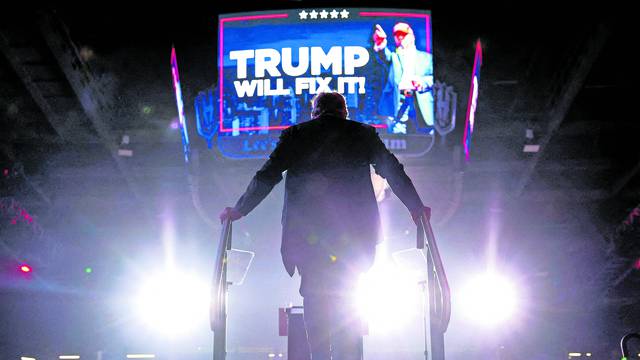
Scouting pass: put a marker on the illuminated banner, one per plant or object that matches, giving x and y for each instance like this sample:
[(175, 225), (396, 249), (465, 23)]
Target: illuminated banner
[(271, 64), (473, 101), (175, 75)]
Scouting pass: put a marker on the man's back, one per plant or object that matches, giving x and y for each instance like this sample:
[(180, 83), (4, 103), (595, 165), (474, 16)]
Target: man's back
[(330, 209)]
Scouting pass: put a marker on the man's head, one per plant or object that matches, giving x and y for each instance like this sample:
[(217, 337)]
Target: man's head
[(329, 103), (403, 35)]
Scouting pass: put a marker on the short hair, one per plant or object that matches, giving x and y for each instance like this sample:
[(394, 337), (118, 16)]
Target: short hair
[(329, 103)]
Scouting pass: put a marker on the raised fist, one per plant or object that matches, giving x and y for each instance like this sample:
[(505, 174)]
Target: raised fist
[(379, 36)]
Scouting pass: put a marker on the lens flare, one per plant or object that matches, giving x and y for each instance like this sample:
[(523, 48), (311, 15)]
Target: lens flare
[(173, 303), (387, 298), (488, 299)]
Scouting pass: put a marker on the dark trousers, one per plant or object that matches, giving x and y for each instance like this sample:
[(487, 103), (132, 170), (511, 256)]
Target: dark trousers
[(334, 328)]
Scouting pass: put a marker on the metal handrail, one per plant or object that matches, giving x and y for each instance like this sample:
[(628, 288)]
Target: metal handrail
[(218, 305), (444, 315), (624, 344), (218, 314)]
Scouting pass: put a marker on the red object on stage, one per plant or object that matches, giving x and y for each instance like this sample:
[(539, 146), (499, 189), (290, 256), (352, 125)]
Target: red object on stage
[(282, 322), (297, 345)]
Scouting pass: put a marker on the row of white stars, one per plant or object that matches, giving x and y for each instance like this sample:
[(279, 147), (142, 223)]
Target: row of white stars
[(344, 14)]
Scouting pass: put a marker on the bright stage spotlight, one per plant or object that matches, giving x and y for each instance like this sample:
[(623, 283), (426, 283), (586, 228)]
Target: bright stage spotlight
[(488, 299), (387, 298), (173, 303)]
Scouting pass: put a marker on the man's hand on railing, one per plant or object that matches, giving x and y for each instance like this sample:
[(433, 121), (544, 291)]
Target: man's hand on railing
[(417, 214), (230, 213)]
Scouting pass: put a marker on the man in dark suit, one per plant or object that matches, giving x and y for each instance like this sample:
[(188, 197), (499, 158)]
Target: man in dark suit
[(330, 218), (408, 95)]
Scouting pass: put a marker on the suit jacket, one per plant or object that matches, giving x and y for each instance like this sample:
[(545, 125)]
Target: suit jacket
[(390, 100), (330, 212)]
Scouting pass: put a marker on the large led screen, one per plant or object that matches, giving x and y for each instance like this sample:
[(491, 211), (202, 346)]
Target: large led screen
[(271, 64)]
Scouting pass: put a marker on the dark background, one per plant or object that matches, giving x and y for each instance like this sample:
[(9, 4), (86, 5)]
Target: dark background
[(554, 218)]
